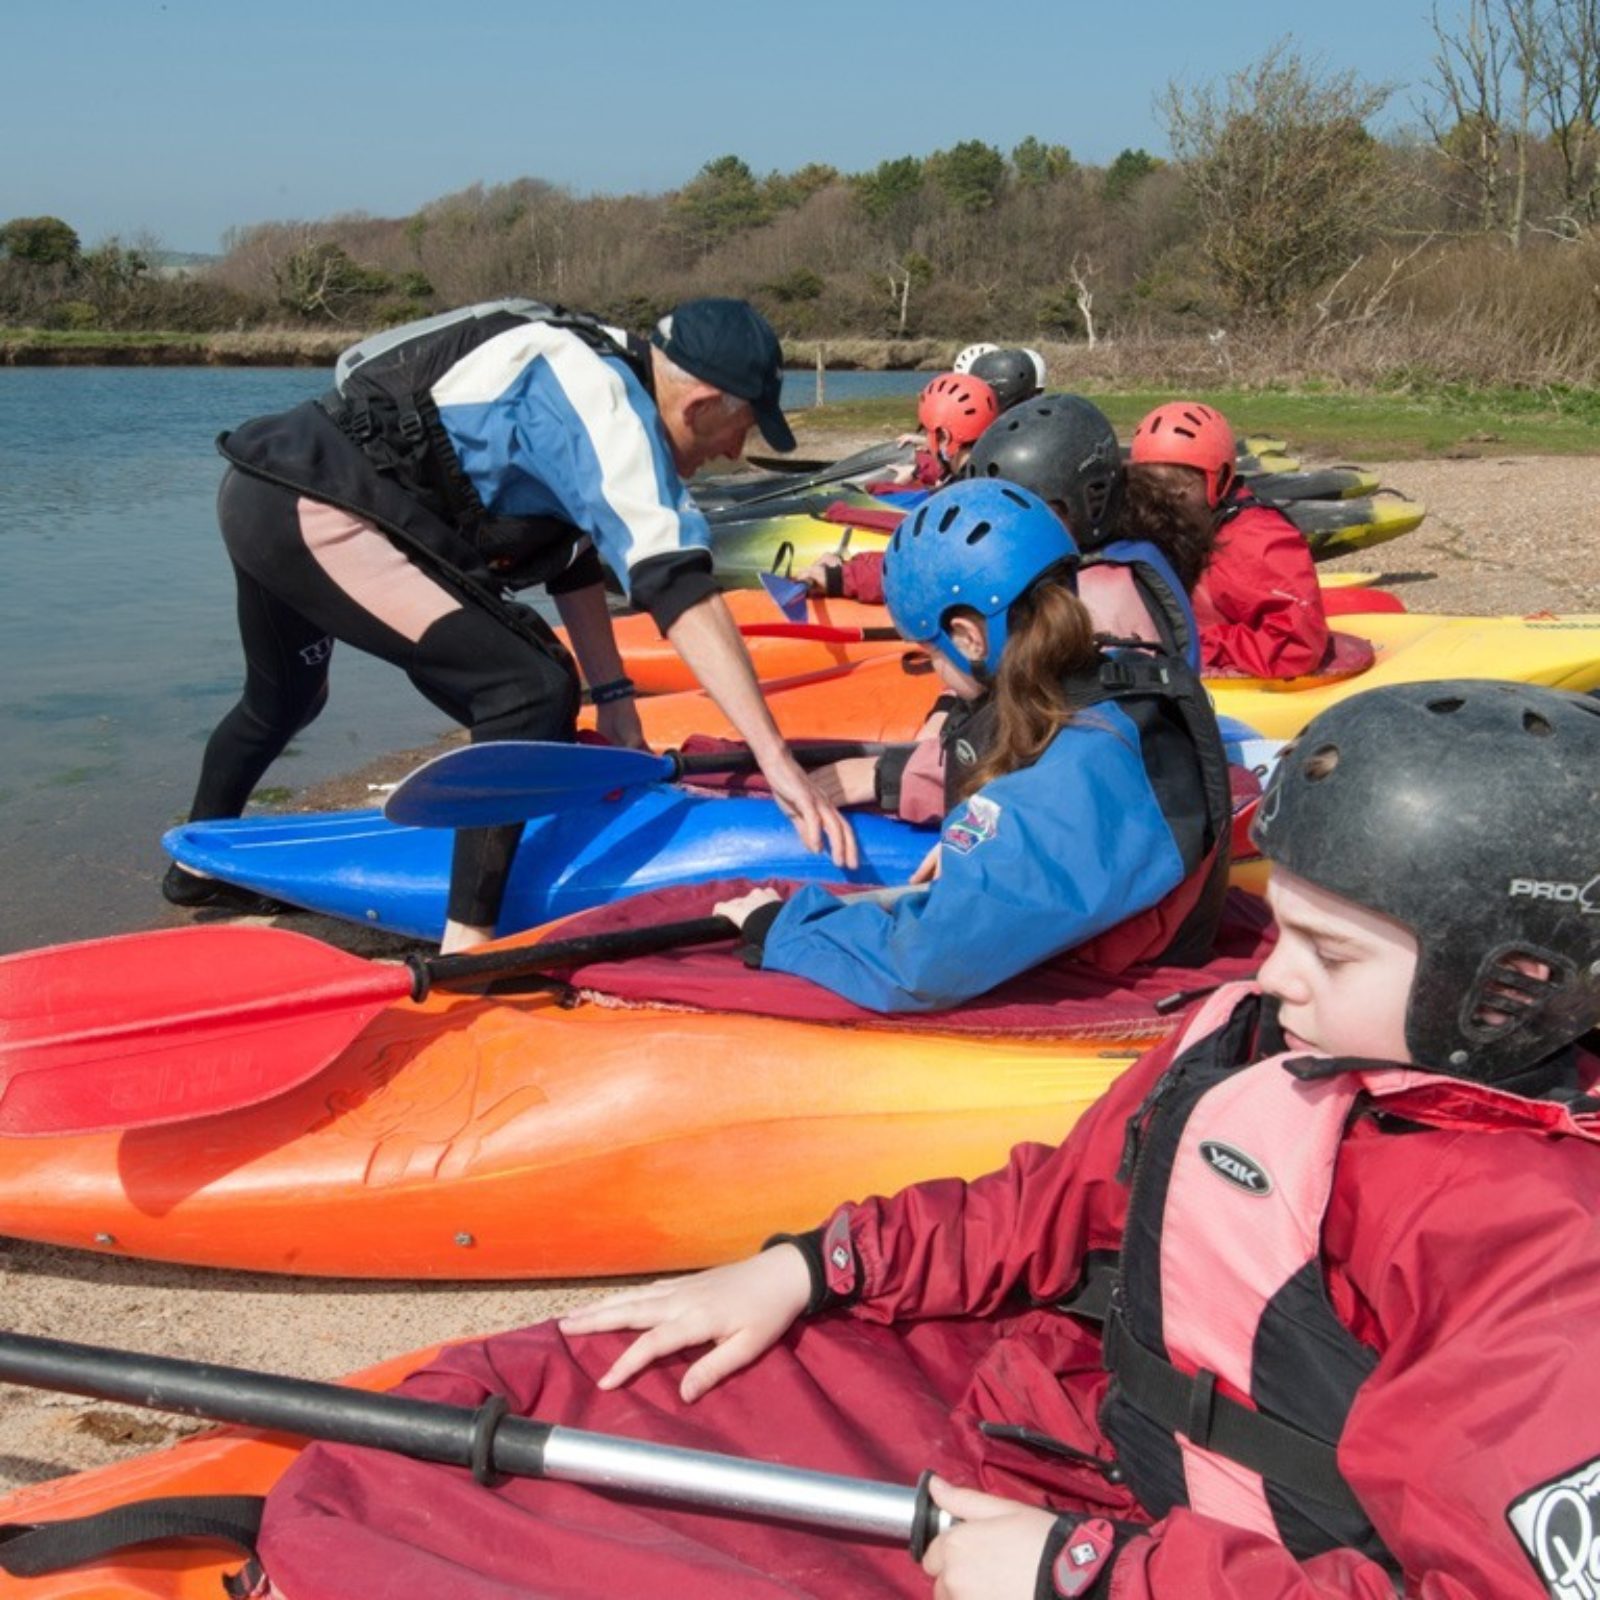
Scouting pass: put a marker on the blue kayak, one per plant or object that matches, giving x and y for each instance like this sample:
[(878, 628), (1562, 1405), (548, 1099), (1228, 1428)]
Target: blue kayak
[(354, 865)]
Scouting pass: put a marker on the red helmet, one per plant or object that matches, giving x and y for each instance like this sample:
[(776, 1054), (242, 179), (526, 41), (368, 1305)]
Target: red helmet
[(954, 409), (1184, 433)]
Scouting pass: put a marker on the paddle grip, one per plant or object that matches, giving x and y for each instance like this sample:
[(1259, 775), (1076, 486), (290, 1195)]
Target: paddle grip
[(424, 1429), (426, 971)]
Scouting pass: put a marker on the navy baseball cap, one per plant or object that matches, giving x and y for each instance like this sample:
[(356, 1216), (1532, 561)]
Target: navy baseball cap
[(731, 346)]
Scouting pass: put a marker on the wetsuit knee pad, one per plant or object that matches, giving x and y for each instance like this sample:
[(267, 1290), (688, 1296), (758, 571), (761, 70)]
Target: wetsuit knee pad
[(497, 682)]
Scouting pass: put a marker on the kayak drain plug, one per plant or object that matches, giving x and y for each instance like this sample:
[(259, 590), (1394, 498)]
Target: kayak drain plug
[(105, 1238), (465, 1240)]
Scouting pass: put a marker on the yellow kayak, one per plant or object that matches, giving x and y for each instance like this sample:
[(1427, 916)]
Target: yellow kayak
[(888, 698)]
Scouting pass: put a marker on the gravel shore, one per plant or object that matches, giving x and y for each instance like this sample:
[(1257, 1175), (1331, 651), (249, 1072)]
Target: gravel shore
[(1503, 535)]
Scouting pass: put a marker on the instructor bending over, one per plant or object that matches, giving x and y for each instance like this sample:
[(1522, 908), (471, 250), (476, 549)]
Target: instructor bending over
[(508, 445)]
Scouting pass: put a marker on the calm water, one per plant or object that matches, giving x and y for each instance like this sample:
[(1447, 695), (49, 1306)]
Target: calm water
[(118, 651)]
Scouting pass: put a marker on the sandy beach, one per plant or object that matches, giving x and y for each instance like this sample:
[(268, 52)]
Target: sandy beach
[(1503, 535)]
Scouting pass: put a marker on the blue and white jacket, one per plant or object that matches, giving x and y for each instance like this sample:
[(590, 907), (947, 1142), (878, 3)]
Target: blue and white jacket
[(1098, 831), (509, 449)]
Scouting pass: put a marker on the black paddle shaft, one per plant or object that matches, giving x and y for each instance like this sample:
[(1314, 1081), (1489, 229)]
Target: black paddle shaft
[(807, 755), (484, 1440), (618, 946)]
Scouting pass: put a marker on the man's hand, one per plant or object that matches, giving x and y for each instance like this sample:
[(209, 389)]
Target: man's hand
[(740, 1310), (617, 722), (815, 817), (707, 637), (992, 1553)]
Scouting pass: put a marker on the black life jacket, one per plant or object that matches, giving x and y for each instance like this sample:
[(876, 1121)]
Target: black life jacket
[(403, 474), (1183, 758)]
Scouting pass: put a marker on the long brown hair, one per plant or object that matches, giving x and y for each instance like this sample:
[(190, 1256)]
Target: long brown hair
[(1154, 510), (1051, 638)]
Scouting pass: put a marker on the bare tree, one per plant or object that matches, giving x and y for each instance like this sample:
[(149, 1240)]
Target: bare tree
[(1287, 177), (1467, 125), (1080, 273), (1569, 90)]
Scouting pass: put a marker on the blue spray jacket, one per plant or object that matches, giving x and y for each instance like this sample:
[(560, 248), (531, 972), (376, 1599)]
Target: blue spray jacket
[(509, 448), (1031, 865), (544, 424)]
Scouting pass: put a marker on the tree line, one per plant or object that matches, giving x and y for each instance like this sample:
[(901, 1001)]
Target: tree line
[(1279, 210)]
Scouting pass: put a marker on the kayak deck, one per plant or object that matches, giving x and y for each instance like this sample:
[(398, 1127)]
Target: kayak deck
[(465, 1137), (889, 699)]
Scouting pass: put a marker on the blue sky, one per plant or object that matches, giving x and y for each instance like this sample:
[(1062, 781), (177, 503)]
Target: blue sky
[(183, 118)]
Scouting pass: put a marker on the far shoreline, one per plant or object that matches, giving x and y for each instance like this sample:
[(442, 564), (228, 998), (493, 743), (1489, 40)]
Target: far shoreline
[(306, 347)]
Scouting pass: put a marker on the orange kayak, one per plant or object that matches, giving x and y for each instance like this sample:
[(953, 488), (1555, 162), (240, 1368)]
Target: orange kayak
[(657, 668), (473, 1137), (888, 698), (222, 1461)]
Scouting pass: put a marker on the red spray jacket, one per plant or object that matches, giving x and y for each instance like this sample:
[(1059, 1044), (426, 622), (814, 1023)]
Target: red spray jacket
[(1258, 602), (1467, 1257)]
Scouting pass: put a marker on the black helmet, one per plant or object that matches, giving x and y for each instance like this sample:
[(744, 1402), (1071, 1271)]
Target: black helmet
[(1065, 450), (1465, 810), (1010, 373)]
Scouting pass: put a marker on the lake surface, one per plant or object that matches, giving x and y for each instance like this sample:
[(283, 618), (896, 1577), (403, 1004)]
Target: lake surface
[(118, 650)]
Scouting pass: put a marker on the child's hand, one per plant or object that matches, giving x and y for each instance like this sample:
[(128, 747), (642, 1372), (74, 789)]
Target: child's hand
[(815, 577), (992, 1553), (928, 868), (851, 782), (739, 1310)]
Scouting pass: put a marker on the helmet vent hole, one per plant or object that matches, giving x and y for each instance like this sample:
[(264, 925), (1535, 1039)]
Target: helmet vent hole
[(916, 526), (1446, 705), (951, 512), (1015, 498), (1320, 763), (979, 532), (1535, 724), (1514, 985)]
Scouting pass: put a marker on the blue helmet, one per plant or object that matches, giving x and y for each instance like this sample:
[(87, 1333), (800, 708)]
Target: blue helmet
[(981, 544)]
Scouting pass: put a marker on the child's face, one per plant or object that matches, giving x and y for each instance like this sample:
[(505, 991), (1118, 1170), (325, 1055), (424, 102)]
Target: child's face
[(1342, 974)]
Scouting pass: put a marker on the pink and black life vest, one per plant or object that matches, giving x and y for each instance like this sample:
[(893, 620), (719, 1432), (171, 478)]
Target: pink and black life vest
[(1232, 1376)]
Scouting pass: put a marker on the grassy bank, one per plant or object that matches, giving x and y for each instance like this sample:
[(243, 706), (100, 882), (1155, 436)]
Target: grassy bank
[(1362, 426), (271, 347), (1393, 418)]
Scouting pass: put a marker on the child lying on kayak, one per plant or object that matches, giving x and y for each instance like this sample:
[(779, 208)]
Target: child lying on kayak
[(1143, 551), (1300, 1311), (1086, 795), (1258, 601), (952, 411)]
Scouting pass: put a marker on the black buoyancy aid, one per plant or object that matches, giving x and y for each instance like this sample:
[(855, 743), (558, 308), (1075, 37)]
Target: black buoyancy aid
[(407, 478), (1159, 587), (1220, 1283), (1183, 758)]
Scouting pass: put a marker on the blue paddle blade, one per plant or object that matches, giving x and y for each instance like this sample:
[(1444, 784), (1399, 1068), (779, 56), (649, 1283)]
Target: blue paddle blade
[(788, 594), (483, 785)]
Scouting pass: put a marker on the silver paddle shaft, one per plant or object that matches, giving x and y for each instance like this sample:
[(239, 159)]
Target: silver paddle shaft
[(727, 1483)]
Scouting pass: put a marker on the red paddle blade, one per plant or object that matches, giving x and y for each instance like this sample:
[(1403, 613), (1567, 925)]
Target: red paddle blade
[(161, 1027)]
